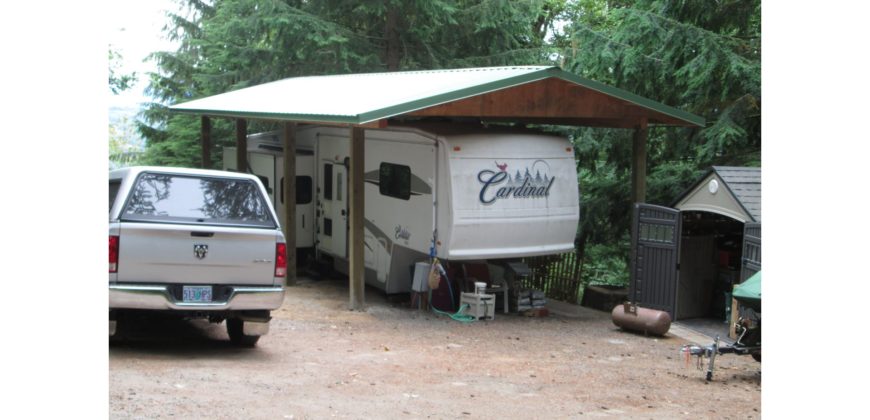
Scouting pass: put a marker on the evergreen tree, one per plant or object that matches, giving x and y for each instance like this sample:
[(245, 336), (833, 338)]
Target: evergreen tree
[(702, 57), (232, 44)]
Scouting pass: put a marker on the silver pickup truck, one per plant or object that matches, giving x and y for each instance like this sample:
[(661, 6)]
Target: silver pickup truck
[(196, 244)]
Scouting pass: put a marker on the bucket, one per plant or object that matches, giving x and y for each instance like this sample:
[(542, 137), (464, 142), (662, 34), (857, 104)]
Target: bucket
[(479, 287)]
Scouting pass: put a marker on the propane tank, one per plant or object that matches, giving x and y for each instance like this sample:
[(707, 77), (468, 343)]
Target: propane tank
[(648, 321)]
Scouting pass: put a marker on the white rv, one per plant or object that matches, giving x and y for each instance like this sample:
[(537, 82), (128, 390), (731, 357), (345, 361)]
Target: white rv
[(266, 161), (462, 192)]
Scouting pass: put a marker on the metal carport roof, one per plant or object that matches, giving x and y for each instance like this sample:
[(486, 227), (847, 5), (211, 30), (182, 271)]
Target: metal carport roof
[(358, 99)]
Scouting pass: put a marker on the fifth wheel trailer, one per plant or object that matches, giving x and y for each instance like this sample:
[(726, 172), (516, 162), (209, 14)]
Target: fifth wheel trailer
[(460, 192)]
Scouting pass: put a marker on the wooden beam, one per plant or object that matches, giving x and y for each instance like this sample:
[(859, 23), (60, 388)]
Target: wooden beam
[(288, 219), (638, 162), (205, 140), (242, 145), (549, 99), (356, 271)]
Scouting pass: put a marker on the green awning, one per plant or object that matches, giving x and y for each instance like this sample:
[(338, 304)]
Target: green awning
[(749, 292)]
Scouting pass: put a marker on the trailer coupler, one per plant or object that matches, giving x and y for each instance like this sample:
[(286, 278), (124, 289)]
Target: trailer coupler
[(711, 351)]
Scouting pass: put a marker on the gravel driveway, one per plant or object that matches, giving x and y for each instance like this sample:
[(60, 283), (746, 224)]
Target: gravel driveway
[(321, 360)]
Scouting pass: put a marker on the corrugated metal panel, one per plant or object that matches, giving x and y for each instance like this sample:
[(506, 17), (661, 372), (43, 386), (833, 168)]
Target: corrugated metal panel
[(363, 98)]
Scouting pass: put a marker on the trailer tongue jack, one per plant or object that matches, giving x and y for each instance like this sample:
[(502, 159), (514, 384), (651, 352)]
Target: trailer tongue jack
[(748, 343)]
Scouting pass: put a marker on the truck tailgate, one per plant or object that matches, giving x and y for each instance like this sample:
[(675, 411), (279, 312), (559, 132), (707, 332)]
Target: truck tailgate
[(196, 254)]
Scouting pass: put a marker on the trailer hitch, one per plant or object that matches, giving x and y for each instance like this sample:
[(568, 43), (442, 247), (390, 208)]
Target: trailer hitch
[(739, 348)]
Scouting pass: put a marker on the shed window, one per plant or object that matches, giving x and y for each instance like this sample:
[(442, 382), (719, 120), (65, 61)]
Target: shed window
[(656, 233), (395, 180)]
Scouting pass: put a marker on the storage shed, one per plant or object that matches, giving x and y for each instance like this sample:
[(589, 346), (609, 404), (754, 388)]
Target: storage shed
[(687, 258)]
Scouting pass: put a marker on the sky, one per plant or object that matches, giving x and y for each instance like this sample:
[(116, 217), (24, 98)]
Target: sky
[(135, 30)]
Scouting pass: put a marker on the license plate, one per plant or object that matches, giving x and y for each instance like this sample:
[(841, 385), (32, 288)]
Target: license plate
[(196, 294)]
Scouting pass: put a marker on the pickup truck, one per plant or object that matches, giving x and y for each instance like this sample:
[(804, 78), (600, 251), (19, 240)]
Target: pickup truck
[(194, 243)]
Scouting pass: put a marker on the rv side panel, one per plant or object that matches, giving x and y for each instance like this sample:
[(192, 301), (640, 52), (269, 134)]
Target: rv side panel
[(511, 195)]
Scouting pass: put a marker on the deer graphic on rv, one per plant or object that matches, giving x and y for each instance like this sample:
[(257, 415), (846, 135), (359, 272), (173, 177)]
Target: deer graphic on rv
[(463, 192)]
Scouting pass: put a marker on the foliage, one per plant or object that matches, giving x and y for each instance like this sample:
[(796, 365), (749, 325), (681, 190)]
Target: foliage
[(702, 57), (118, 82), (124, 148), (232, 44), (605, 265)]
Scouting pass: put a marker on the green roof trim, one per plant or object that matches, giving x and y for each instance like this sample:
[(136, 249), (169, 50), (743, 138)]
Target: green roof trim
[(456, 95), (384, 95), (630, 97), (324, 118)]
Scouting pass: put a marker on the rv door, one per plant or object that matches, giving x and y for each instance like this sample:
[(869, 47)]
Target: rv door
[(655, 240), (332, 215)]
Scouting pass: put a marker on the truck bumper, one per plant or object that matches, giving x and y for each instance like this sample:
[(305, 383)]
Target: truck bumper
[(158, 297)]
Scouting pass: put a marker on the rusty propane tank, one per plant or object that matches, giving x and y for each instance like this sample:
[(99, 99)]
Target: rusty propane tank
[(648, 321)]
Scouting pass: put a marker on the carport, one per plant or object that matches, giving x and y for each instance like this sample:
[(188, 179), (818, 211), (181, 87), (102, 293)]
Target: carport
[(527, 95)]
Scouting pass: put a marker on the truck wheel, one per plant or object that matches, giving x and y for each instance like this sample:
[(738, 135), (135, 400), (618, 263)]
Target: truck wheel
[(237, 336)]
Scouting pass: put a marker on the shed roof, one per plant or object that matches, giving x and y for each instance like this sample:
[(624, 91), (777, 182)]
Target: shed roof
[(742, 198), (535, 94)]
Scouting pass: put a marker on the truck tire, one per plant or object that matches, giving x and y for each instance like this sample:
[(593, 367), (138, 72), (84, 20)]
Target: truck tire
[(237, 336)]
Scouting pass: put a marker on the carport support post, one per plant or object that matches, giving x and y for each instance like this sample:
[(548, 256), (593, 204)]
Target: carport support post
[(205, 140), (288, 219), (638, 162), (356, 271), (242, 145)]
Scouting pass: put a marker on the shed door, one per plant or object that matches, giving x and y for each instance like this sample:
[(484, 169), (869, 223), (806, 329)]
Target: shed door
[(751, 262), (655, 240)]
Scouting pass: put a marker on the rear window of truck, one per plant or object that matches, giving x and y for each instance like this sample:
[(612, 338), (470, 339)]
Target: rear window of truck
[(189, 199)]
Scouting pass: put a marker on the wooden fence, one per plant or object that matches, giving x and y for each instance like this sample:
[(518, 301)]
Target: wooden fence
[(557, 275)]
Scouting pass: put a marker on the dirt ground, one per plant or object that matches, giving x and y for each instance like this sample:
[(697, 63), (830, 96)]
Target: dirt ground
[(321, 360)]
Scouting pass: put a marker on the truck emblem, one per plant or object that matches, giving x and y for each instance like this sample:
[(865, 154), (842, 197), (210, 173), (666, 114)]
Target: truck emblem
[(199, 250), (518, 186)]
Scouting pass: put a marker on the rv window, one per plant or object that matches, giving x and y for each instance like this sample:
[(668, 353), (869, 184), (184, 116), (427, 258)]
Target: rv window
[(327, 181), (395, 180), (338, 187), (303, 190)]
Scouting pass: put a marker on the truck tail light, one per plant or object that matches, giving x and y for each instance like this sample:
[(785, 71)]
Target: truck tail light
[(280, 260), (113, 253)]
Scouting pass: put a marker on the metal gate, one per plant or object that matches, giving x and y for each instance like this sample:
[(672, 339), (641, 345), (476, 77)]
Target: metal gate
[(751, 262), (655, 250)]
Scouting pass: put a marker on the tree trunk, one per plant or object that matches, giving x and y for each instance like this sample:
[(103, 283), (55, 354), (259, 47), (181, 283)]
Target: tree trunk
[(391, 34)]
